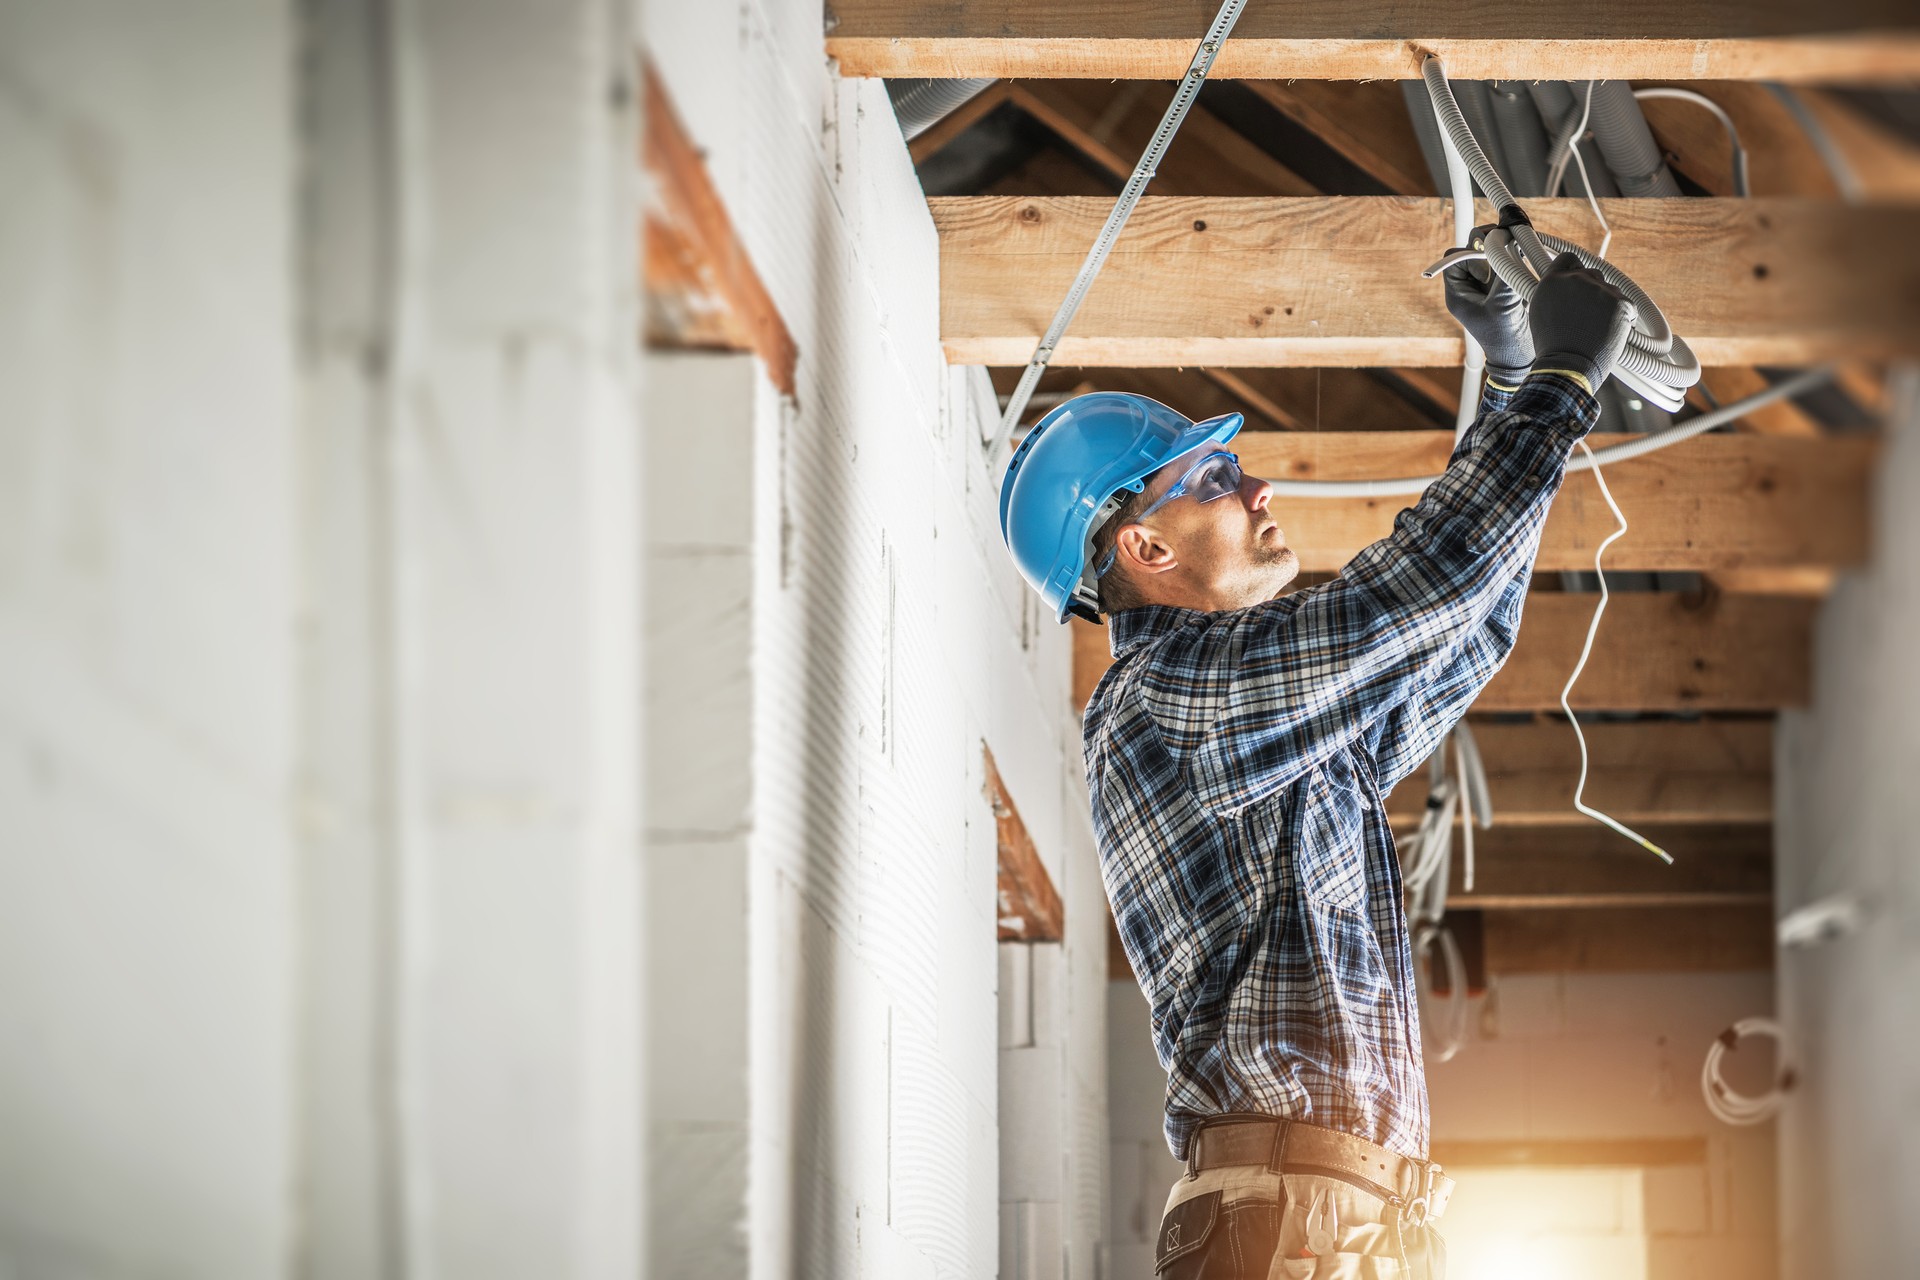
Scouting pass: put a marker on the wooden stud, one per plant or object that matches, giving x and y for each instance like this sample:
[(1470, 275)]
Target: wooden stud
[(1030, 909), (1366, 122), (1336, 280), (1589, 866), (1642, 772), (1712, 502), (701, 286), (1847, 40), (1629, 939), (1655, 652), (961, 119)]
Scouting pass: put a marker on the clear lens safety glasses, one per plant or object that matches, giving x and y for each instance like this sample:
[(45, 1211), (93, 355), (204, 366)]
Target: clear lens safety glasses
[(1214, 476)]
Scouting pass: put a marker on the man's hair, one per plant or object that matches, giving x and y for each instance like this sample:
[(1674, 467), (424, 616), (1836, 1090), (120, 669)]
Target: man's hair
[(1117, 589)]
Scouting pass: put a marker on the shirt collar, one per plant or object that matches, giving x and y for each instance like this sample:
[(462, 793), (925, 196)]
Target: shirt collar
[(1132, 628)]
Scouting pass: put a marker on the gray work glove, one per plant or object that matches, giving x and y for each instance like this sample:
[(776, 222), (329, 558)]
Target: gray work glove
[(1579, 321), (1492, 314)]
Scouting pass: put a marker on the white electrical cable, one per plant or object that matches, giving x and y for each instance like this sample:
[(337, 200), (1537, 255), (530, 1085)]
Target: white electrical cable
[(1441, 1044), (1558, 174), (1460, 183), (1737, 1108), (1741, 187), (1143, 171), (1407, 486), (1586, 649)]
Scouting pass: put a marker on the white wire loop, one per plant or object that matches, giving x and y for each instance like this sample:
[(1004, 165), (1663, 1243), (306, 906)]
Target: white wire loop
[(1738, 1108)]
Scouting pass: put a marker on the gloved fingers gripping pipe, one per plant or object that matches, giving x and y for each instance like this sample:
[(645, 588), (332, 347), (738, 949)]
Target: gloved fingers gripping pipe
[(1408, 486), (1655, 363)]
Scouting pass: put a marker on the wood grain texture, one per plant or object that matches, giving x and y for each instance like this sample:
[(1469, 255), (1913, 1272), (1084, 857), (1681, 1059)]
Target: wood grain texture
[(1591, 867), (1642, 772), (1654, 652), (1336, 280), (1856, 40), (701, 287), (1367, 123), (1708, 503), (1629, 939), (1111, 124)]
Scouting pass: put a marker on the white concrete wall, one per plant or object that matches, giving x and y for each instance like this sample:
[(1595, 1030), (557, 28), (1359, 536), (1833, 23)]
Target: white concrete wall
[(319, 640), (1850, 1163), (891, 639), (148, 587)]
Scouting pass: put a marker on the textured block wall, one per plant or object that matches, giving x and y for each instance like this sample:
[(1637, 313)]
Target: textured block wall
[(891, 640)]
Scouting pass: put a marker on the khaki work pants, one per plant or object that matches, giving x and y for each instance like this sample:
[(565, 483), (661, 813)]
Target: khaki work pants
[(1244, 1222)]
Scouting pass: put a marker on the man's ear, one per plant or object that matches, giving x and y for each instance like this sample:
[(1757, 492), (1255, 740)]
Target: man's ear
[(1144, 551)]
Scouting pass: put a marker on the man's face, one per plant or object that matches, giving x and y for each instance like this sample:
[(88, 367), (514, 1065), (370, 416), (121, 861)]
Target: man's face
[(1229, 551)]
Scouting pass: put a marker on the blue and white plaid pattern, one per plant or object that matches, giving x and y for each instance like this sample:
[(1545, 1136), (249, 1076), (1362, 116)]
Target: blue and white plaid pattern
[(1237, 763)]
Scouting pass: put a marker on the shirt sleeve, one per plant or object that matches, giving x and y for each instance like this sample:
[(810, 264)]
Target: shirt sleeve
[(1411, 731), (1293, 681)]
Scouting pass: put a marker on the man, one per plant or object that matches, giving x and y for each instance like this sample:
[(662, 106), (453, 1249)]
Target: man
[(1237, 752)]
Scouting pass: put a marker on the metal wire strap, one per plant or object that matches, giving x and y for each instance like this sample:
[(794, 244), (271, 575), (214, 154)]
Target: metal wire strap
[(1143, 172)]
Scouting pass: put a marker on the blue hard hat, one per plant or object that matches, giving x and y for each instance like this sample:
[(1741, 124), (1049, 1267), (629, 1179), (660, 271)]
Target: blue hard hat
[(1077, 457)]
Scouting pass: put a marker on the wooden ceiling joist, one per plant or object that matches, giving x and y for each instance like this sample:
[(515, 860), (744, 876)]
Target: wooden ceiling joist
[(1629, 939), (1326, 281), (1590, 867), (1713, 502), (1843, 40), (1643, 772), (1654, 652)]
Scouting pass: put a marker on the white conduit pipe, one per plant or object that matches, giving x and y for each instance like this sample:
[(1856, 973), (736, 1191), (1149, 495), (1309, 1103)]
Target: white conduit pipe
[(1460, 182), (1656, 362), (1407, 486)]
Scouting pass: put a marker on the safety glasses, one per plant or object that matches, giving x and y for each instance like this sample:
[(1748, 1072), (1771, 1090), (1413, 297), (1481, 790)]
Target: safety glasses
[(1214, 476)]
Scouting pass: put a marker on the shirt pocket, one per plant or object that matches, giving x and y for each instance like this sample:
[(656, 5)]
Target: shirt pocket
[(1329, 843)]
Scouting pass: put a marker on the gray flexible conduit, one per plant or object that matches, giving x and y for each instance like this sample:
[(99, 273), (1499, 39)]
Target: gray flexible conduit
[(1517, 122), (1627, 144), (921, 104), (1655, 362)]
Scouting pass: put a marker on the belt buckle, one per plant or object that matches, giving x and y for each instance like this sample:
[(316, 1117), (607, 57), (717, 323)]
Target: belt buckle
[(1416, 1209)]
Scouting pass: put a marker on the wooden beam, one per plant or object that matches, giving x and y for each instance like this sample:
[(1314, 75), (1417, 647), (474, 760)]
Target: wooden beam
[(1590, 867), (1815, 582), (1848, 40), (1029, 906), (1654, 652), (1336, 280), (1366, 122), (701, 287), (957, 122), (1660, 652), (1712, 502), (1629, 939), (1642, 772), (1111, 125)]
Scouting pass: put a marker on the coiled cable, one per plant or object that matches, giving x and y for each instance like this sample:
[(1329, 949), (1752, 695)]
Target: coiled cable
[(1738, 1108), (1656, 362)]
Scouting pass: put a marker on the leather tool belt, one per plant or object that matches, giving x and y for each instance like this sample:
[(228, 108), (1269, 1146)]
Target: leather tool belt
[(1417, 1187)]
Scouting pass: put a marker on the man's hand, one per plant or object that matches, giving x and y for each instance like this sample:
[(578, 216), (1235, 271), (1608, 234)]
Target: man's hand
[(1492, 315), (1579, 321)]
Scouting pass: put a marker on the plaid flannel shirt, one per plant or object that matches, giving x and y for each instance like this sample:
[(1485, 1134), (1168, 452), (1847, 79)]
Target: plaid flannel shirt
[(1237, 763)]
